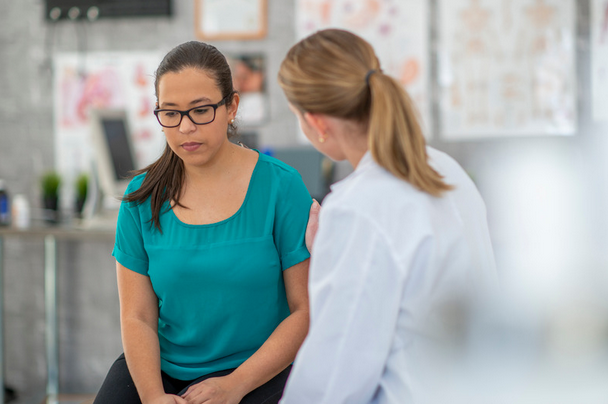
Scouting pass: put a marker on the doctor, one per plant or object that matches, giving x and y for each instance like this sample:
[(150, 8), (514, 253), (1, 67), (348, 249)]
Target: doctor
[(399, 236)]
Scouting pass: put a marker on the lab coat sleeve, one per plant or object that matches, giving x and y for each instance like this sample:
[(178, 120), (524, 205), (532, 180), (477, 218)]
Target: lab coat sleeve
[(355, 292)]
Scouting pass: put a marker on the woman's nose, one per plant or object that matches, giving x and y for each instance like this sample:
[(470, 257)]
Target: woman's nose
[(186, 125)]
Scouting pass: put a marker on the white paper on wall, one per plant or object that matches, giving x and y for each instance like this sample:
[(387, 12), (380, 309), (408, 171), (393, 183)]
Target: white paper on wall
[(507, 67), (397, 29), (103, 80), (599, 59)]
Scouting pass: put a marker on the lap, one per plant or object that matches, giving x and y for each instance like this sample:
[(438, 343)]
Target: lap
[(118, 387), (268, 393)]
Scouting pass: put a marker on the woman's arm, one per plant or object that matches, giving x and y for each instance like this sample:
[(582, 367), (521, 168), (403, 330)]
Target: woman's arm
[(272, 357), (139, 327)]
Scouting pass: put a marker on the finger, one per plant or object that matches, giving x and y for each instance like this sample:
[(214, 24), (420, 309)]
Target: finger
[(191, 392), (195, 394), (179, 400), (313, 225), (315, 208)]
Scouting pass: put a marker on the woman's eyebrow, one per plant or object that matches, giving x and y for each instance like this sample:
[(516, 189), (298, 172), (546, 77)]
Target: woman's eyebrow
[(200, 100), (193, 102)]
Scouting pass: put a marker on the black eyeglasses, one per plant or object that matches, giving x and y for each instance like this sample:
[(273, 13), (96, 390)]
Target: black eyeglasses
[(201, 115)]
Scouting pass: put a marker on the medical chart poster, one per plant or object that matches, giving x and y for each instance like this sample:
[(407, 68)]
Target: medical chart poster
[(112, 80), (507, 68), (599, 59), (397, 29)]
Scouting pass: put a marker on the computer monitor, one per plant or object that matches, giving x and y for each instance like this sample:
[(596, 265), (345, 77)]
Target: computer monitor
[(114, 157)]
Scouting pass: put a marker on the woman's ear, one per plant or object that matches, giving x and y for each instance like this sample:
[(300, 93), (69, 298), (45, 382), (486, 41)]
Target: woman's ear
[(234, 106), (317, 122)]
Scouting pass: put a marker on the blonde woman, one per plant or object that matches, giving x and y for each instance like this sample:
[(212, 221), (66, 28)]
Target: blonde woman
[(405, 230)]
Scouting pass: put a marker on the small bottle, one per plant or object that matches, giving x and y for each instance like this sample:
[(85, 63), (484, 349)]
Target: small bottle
[(5, 213), (20, 212)]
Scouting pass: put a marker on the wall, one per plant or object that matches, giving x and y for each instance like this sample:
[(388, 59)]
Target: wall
[(546, 197)]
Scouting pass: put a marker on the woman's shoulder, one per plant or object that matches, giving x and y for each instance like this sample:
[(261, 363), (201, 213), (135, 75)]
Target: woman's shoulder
[(132, 188), (135, 183), (375, 192), (275, 167)]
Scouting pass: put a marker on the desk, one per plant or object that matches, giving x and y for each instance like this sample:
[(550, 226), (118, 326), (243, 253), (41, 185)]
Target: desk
[(50, 235)]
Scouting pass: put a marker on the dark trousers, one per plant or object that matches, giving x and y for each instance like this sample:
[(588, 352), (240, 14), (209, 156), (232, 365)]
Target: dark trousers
[(118, 387)]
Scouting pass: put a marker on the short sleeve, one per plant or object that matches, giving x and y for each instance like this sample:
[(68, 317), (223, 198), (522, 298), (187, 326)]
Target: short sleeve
[(291, 218), (129, 248)]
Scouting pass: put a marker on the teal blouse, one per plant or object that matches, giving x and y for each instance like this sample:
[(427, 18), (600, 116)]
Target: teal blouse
[(219, 286)]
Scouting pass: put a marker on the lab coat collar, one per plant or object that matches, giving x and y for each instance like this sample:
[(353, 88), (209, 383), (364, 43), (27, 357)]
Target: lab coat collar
[(366, 161)]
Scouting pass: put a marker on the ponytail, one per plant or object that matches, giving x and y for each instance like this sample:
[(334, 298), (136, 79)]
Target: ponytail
[(395, 137)]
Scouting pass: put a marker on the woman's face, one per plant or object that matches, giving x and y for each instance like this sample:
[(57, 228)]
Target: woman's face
[(196, 145)]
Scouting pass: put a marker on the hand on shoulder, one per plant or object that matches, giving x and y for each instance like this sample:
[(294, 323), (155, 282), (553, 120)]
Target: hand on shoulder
[(313, 224)]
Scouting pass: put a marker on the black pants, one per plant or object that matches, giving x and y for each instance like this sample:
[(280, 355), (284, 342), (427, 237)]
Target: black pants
[(118, 387)]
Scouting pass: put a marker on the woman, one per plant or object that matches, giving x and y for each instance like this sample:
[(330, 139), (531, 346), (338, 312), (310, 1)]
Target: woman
[(211, 262), (396, 241)]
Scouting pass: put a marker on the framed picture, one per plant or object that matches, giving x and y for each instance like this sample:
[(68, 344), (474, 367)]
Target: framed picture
[(249, 79), (230, 19)]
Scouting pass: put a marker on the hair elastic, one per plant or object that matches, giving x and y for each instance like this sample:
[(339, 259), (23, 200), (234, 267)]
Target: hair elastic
[(369, 73)]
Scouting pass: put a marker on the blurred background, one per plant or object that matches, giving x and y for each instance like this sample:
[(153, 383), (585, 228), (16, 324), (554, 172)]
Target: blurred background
[(515, 90)]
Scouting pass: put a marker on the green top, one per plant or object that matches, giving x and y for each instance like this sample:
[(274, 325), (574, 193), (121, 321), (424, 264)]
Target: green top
[(219, 286)]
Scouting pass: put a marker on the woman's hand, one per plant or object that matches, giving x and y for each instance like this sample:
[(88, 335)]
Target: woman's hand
[(215, 390), (313, 224), (168, 399)]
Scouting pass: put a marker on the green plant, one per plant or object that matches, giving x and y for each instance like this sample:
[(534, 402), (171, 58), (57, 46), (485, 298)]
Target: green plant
[(82, 185), (50, 182)]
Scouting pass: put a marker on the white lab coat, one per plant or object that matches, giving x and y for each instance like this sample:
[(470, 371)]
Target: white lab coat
[(384, 256)]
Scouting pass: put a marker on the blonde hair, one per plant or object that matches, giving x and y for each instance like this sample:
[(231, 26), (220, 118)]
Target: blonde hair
[(327, 73)]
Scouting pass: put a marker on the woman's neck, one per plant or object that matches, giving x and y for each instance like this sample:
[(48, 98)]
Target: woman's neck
[(353, 141), (221, 163)]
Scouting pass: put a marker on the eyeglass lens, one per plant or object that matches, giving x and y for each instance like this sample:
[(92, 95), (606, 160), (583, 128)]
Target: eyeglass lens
[(199, 116)]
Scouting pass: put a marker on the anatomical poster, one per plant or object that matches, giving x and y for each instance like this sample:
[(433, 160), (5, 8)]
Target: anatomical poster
[(507, 68)]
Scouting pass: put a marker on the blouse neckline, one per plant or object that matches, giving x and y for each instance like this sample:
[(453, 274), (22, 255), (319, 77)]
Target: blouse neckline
[(236, 214)]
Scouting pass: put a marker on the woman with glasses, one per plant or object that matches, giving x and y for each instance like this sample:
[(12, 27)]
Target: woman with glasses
[(211, 261), (398, 241)]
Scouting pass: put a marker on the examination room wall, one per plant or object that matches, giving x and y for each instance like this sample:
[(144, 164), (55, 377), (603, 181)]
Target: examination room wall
[(546, 196)]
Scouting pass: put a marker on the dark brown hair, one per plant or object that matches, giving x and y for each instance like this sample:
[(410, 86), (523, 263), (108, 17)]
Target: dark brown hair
[(337, 73), (165, 177)]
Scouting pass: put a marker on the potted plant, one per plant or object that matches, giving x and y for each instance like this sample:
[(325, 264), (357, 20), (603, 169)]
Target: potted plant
[(82, 186), (50, 183)]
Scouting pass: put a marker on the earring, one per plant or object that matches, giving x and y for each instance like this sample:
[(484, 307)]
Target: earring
[(322, 138), (231, 121)]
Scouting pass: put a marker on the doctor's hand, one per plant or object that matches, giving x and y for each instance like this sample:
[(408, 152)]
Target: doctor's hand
[(313, 224), (215, 390)]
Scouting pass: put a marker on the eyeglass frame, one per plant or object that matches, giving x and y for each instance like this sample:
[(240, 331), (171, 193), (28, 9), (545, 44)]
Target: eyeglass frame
[(187, 112)]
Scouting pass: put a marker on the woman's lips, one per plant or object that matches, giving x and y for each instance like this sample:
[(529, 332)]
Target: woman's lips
[(191, 146)]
